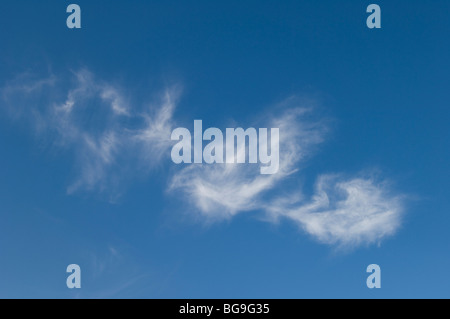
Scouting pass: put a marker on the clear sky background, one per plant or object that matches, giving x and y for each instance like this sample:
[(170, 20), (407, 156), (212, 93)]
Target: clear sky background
[(97, 187)]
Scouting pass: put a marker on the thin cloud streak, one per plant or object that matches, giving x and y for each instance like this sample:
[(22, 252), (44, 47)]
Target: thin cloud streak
[(93, 120), (112, 142), (221, 191), (344, 212)]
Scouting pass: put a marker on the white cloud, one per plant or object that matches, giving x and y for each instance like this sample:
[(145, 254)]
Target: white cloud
[(342, 212), (154, 138), (112, 140), (221, 191), (93, 120), (345, 213)]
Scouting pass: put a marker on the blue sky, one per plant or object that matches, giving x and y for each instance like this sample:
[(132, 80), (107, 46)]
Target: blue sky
[(86, 176)]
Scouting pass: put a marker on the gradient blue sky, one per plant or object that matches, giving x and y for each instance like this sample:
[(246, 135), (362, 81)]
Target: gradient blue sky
[(382, 94)]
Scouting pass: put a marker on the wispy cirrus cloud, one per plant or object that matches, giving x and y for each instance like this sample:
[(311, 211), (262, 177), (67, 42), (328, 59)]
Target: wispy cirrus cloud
[(221, 191), (94, 120), (154, 137), (344, 212), (112, 141)]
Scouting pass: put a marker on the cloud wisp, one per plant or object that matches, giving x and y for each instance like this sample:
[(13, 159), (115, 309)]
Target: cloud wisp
[(221, 191), (93, 119), (344, 212), (112, 141)]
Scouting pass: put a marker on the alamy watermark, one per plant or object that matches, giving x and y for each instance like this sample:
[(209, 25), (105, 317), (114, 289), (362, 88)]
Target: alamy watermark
[(234, 148), (74, 279), (374, 280)]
